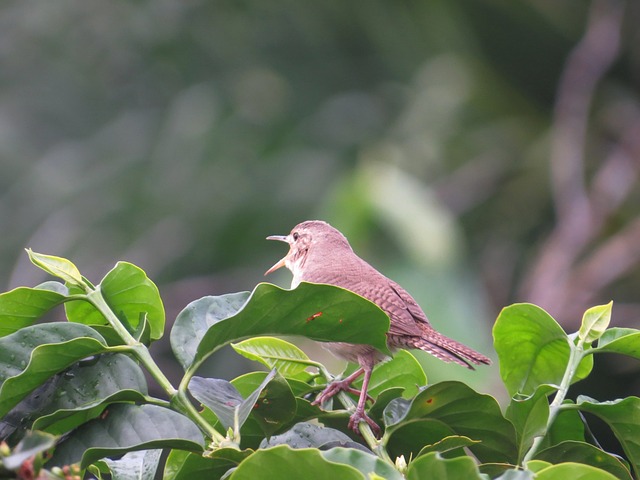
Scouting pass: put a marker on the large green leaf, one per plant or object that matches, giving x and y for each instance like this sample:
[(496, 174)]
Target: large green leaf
[(573, 471), (286, 358), (139, 465), (23, 306), (367, 463), (403, 371), (453, 443), (623, 417), (319, 312), (581, 452), (434, 466), (265, 397), (568, 426), (410, 438), (285, 462), (512, 473), (309, 435), (275, 405), (130, 294), (533, 349), (86, 387), (529, 417), (182, 465), (33, 354), (466, 412), (193, 322), (123, 428), (625, 341)]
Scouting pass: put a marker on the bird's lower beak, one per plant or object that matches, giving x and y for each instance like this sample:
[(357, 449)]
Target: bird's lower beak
[(280, 264)]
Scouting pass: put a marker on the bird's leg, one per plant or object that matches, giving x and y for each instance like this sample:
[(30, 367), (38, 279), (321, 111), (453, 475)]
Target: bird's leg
[(360, 414), (338, 386)]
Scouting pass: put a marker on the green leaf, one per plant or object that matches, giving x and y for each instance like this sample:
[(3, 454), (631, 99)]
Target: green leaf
[(410, 438), (32, 444), (59, 267), (367, 463), (193, 322), (594, 322), (580, 452), (308, 435), (123, 428), (274, 407), (319, 312), (286, 358), (625, 341), (285, 462), (140, 465), (382, 400), (183, 465), (513, 474), (84, 389), (537, 465), (447, 444), (574, 471), (623, 417), (433, 465), (22, 306), (568, 426), (529, 417), (130, 294), (403, 370), (533, 349), (457, 406), (225, 400), (31, 355)]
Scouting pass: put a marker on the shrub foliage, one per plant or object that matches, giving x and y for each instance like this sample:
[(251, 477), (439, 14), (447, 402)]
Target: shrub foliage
[(74, 398)]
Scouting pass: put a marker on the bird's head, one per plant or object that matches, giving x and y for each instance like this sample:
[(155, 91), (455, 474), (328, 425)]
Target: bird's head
[(311, 235)]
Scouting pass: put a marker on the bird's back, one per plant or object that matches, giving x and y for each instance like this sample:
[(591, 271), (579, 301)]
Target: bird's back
[(409, 326), (355, 274)]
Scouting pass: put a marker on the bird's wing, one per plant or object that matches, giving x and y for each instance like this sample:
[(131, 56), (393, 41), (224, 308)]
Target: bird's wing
[(412, 308), (404, 312)]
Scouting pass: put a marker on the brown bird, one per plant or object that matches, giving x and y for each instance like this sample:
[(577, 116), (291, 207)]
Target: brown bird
[(319, 253)]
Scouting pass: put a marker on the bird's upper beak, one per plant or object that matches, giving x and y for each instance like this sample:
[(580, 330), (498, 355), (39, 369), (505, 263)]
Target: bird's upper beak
[(280, 264)]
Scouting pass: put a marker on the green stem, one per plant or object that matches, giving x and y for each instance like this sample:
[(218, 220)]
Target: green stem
[(575, 357), (179, 399), (97, 300), (374, 444)]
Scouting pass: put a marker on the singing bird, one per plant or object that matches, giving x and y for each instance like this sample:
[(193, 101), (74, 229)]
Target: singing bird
[(319, 253)]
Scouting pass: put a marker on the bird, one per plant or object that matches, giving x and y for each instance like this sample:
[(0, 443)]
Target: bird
[(319, 253)]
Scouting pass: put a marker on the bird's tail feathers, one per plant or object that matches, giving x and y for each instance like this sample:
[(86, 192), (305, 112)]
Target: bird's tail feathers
[(446, 349)]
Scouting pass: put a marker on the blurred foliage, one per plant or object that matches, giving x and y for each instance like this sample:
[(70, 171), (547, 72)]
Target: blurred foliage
[(177, 135)]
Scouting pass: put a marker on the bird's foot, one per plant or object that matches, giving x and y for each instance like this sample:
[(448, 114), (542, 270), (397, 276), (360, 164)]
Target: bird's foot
[(336, 387), (357, 417)]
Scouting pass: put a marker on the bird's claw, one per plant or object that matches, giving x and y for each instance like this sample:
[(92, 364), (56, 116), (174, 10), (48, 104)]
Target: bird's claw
[(357, 417)]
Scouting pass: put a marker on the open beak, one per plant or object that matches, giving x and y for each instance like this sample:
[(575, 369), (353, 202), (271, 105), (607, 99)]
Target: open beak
[(280, 264)]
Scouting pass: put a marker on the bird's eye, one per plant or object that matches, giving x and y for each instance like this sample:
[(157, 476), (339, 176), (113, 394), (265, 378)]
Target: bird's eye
[(295, 236)]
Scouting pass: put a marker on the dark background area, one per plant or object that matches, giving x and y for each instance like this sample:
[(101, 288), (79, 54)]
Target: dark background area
[(478, 152)]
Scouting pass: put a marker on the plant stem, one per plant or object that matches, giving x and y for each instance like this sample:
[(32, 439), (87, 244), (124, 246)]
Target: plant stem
[(97, 300), (179, 399), (575, 357), (365, 430)]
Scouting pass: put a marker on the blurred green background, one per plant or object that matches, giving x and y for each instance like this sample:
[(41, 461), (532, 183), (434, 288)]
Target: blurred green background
[(479, 152)]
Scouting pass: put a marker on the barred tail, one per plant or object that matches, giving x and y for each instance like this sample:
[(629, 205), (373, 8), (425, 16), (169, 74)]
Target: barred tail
[(443, 348)]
